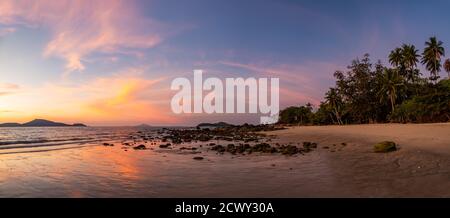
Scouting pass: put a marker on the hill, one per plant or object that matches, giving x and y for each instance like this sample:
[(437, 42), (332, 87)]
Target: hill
[(40, 123)]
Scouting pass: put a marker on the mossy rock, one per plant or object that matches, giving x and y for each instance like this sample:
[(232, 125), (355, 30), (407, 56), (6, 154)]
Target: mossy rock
[(384, 147)]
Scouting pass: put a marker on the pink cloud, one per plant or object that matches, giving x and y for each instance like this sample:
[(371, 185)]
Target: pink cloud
[(80, 28)]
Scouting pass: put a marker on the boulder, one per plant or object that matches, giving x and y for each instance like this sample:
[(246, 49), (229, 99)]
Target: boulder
[(140, 147), (384, 147), (165, 145)]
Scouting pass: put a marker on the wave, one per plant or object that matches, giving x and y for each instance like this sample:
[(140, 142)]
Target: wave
[(16, 146), (27, 139), (40, 141), (41, 150)]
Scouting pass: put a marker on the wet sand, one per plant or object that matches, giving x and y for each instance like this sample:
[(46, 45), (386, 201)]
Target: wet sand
[(421, 168)]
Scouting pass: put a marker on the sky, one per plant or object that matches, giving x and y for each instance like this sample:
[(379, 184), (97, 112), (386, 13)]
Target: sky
[(111, 62)]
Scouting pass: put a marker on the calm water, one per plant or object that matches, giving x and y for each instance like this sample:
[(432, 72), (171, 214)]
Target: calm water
[(32, 139)]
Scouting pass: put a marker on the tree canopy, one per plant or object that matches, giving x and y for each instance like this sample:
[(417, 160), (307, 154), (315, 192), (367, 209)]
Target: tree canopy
[(374, 93)]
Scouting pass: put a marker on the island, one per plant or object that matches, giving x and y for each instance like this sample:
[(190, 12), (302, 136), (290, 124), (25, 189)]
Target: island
[(213, 125), (41, 123)]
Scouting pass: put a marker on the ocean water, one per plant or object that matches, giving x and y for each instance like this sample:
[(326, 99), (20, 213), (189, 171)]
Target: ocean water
[(34, 139)]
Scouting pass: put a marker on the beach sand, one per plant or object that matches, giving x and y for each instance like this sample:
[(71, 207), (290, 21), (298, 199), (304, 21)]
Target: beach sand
[(420, 168)]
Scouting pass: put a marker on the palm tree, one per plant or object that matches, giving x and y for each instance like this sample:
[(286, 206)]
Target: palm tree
[(332, 97), (410, 60), (431, 57), (447, 67), (396, 57), (391, 81)]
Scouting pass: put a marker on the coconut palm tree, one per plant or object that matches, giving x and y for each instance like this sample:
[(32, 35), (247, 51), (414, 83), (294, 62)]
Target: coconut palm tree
[(396, 57), (391, 82), (410, 60), (335, 101), (431, 57), (447, 67)]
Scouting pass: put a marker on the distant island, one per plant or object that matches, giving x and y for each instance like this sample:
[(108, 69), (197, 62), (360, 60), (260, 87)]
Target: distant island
[(143, 126), (41, 123), (213, 125)]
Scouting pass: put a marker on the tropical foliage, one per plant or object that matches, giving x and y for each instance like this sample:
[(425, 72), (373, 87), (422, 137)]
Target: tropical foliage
[(374, 93)]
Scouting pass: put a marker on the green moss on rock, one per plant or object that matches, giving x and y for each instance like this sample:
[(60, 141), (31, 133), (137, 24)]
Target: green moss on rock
[(384, 147)]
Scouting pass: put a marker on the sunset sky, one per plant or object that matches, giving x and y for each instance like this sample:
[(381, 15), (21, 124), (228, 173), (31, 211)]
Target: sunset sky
[(111, 62)]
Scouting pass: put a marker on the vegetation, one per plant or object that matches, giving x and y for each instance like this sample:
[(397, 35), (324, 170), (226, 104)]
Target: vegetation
[(374, 93)]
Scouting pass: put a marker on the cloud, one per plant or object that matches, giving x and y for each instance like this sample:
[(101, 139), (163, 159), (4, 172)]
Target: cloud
[(8, 89), (9, 86), (4, 93), (83, 27), (6, 30)]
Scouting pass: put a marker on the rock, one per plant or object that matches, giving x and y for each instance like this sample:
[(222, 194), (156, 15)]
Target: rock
[(218, 148), (140, 147), (326, 147), (262, 147), (165, 146), (309, 145), (289, 150), (384, 147), (108, 144), (198, 158)]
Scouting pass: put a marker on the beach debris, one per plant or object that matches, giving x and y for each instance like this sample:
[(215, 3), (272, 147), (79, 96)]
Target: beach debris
[(385, 146), (198, 158), (108, 144), (140, 147)]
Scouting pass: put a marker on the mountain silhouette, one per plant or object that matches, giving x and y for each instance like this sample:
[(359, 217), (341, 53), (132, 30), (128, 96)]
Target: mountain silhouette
[(40, 123)]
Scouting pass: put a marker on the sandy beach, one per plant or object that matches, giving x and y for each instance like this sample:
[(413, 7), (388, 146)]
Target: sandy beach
[(420, 168)]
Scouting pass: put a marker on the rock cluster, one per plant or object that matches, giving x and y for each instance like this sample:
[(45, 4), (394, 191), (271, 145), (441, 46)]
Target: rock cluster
[(246, 133), (264, 148)]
